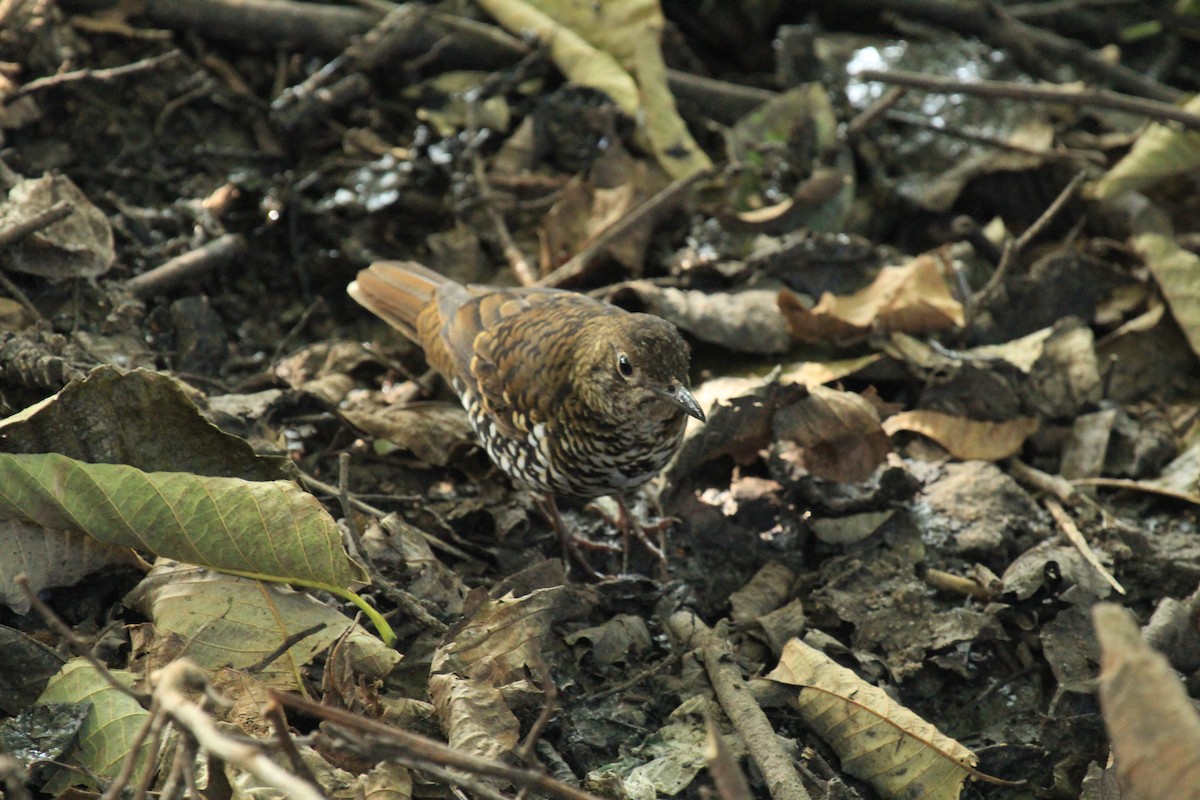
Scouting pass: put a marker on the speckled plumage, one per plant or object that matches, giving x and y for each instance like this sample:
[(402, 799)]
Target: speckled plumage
[(569, 395)]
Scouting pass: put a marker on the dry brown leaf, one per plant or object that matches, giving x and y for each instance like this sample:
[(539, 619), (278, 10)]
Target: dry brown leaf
[(1175, 269), (435, 432), (913, 298), (838, 433), (878, 740), (1153, 727), (483, 667), (964, 438)]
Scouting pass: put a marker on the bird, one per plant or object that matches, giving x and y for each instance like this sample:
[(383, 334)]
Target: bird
[(570, 396)]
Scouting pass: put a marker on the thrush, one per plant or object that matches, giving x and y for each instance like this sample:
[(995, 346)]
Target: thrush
[(570, 396)]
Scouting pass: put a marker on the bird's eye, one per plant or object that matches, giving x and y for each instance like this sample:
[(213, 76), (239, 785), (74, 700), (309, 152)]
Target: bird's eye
[(623, 365)]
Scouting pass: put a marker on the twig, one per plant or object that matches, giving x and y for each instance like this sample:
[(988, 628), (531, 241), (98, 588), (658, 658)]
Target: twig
[(290, 641), (354, 535), (188, 266), (73, 641), (274, 714), (989, 22), (1050, 213), (865, 118), (1138, 486), (152, 727), (434, 542), (406, 601), (525, 272), (747, 717), (579, 264), (649, 672), (937, 126), (1099, 98), (154, 62), (723, 101), (1053, 485), (35, 222), (13, 776), (378, 740), (15, 292), (171, 683), (1076, 537), (549, 705)]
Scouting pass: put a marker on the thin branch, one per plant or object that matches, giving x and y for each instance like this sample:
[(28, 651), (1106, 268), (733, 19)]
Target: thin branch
[(1041, 93), (178, 270), (1051, 212), (35, 222), (380, 740), (154, 62), (582, 261)]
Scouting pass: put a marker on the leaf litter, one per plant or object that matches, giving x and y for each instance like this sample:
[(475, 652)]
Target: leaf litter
[(947, 353)]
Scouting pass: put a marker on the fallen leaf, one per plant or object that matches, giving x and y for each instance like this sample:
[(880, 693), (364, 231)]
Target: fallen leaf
[(1152, 725), (878, 740), (913, 298), (965, 439)]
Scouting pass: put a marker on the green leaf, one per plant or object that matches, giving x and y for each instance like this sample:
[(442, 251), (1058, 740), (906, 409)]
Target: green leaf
[(267, 529), (228, 621), (107, 735)]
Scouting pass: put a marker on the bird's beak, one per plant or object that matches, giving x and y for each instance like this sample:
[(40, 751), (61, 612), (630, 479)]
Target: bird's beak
[(681, 396)]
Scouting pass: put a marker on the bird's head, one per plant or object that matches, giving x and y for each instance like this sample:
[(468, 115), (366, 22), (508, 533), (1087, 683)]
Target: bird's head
[(635, 368)]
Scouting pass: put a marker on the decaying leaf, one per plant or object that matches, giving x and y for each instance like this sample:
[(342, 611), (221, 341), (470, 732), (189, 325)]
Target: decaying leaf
[(108, 730), (141, 418), (748, 321), (877, 739), (837, 433), (1152, 725), (434, 432), (482, 669), (963, 438), (1176, 270), (235, 622), (49, 559), (669, 759), (79, 246), (1161, 151), (613, 47), (913, 298)]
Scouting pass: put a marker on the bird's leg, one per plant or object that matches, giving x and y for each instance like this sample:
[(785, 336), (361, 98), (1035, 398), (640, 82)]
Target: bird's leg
[(570, 544), (632, 528)]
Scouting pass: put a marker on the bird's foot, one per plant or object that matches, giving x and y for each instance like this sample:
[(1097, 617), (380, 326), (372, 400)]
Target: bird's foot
[(651, 535), (569, 541)]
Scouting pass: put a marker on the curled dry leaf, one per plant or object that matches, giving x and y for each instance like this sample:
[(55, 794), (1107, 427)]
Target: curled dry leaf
[(913, 298), (1151, 722), (1175, 269), (746, 322), (434, 432), (141, 418), (878, 740), (963, 438), (1161, 151), (483, 666), (79, 246), (613, 47), (838, 434)]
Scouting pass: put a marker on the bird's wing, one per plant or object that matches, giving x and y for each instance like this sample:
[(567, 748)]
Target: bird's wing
[(512, 348)]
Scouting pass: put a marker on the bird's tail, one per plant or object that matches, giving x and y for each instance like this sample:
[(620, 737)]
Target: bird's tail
[(396, 291)]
